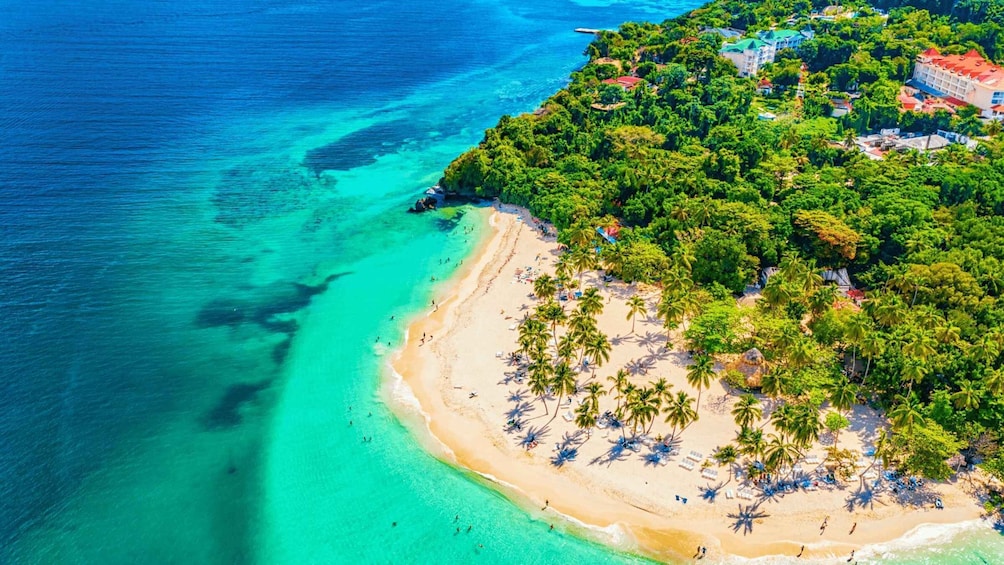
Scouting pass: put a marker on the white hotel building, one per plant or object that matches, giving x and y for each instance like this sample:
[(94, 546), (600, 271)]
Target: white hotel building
[(962, 79)]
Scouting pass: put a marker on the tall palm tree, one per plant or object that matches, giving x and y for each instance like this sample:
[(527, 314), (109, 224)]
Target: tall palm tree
[(779, 453), (544, 287), (920, 345), (670, 311), (842, 394), (585, 417), (907, 413), (727, 456), (636, 305), (567, 346), (968, 397), (562, 383), (855, 330), (582, 260), (552, 313), (532, 338), (699, 374), (619, 385), (872, 346), (591, 302), (645, 407), (598, 348), (539, 381), (662, 388), (679, 412), (913, 371), (774, 383), (994, 382), (747, 411), (595, 391), (783, 419), (750, 442), (806, 427), (581, 234)]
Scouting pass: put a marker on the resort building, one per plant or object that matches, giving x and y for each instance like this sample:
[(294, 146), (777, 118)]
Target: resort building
[(748, 55), (961, 79), (625, 82), (786, 38)]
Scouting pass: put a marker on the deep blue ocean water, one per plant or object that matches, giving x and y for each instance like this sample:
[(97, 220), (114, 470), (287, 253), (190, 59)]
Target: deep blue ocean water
[(200, 239)]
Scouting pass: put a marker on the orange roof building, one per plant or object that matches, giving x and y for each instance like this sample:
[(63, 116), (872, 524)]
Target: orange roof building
[(961, 79)]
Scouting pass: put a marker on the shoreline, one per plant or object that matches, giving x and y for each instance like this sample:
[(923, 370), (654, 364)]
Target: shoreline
[(458, 429)]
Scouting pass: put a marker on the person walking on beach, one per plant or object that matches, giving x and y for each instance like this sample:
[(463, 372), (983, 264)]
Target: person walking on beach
[(854, 527)]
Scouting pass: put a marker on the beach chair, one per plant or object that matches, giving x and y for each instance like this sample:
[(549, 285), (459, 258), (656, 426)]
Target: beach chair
[(498, 354), (568, 416), (709, 473), (687, 464), (513, 327), (729, 494), (696, 456)]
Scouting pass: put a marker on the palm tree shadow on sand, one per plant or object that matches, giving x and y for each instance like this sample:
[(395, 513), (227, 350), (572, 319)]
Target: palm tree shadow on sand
[(745, 517), (533, 434), (618, 452)]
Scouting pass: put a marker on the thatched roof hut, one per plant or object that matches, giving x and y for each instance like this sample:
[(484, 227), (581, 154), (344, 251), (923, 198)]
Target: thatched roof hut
[(752, 364)]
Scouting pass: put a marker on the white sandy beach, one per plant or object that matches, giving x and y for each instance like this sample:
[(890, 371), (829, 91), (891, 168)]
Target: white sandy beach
[(476, 319)]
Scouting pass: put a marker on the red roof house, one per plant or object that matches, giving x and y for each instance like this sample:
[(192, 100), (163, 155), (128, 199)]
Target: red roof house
[(625, 82)]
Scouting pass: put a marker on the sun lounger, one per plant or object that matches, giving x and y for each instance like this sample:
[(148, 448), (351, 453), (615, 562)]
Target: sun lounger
[(812, 459), (568, 416), (729, 494), (498, 354), (709, 473), (514, 326), (696, 456), (687, 464)]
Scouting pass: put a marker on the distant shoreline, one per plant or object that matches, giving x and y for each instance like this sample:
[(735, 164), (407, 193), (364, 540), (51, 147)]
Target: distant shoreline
[(468, 329)]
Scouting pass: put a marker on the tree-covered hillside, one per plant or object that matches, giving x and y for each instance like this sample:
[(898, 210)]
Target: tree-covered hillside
[(707, 195)]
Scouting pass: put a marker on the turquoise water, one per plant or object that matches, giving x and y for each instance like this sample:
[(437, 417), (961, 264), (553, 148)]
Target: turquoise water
[(203, 239)]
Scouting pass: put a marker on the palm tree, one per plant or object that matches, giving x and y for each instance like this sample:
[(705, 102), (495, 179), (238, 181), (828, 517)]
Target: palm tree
[(595, 391), (780, 453), (920, 345), (855, 330), (585, 417), (968, 396), (806, 427), (597, 347), (539, 381), (948, 333), (581, 234), (680, 412), (699, 374), (913, 371), (582, 260), (726, 456), (871, 347), (562, 382), (662, 388), (567, 346), (801, 353), (773, 383), (544, 287), (842, 394), (591, 302), (906, 414), (985, 350), (747, 411), (670, 311), (783, 419), (994, 382), (552, 313), (532, 337), (636, 305), (750, 442), (645, 407), (620, 383)]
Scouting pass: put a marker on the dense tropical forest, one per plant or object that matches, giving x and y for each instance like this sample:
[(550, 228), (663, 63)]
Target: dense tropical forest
[(706, 194)]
